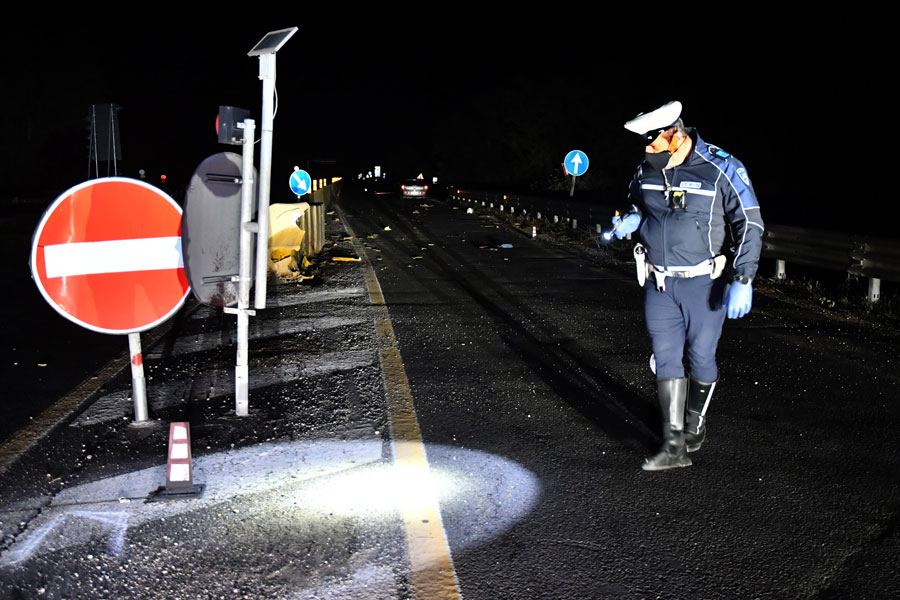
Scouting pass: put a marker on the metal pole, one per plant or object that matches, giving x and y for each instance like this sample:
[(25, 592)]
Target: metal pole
[(241, 373), (138, 383), (241, 369), (96, 147), (267, 74)]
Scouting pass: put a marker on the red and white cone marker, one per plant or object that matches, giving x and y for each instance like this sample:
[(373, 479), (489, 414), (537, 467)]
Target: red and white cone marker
[(179, 469)]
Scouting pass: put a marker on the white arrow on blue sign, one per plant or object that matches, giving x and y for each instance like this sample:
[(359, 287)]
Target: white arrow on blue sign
[(301, 182), (576, 163)]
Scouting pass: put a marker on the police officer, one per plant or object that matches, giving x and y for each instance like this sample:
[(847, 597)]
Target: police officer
[(696, 211)]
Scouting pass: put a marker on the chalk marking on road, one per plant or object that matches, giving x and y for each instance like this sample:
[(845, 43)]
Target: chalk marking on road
[(311, 478), (433, 574), (116, 522)]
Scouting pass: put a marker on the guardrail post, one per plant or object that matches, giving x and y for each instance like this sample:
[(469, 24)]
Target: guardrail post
[(874, 290), (780, 269), (317, 225)]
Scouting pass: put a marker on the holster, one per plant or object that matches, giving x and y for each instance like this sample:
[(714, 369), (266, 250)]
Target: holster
[(719, 263), (640, 262)]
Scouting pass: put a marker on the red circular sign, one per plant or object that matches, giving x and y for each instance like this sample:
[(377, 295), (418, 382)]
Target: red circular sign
[(107, 255)]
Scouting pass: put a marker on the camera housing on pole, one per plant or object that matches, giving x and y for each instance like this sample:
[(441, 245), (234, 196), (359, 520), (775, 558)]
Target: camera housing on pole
[(230, 125)]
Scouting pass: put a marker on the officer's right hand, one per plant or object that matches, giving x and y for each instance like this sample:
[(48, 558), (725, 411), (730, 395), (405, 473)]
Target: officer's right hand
[(624, 226)]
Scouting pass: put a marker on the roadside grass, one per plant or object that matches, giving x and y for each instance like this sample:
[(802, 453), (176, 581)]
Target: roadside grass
[(840, 294)]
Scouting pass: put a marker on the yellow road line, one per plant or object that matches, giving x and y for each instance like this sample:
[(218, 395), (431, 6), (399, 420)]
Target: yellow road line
[(433, 575)]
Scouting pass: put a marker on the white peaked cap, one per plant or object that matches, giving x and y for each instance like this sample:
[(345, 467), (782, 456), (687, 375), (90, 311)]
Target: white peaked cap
[(664, 116)]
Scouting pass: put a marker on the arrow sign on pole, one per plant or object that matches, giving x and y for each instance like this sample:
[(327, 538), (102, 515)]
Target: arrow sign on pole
[(576, 163), (300, 182), (573, 162)]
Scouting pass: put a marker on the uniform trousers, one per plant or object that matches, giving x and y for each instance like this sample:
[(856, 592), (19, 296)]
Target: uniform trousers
[(685, 321)]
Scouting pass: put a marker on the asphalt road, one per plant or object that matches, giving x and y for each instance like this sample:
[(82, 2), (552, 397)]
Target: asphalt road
[(525, 364), (538, 354)]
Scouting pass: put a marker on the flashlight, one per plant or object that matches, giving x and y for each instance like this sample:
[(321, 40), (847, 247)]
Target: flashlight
[(607, 235)]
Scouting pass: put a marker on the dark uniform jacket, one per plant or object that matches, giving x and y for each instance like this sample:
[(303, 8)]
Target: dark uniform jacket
[(702, 208)]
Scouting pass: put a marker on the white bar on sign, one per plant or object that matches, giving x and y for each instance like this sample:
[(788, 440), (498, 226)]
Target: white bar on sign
[(113, 256), (180, 472), (179, 432), (179, 451)]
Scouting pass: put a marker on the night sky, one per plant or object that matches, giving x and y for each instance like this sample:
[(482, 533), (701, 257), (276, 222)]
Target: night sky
[(802, 100)]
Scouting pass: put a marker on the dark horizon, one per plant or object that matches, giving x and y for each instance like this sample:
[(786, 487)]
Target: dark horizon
[(467, 100)]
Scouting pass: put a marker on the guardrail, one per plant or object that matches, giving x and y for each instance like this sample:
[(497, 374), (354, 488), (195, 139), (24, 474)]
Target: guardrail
[(865, 256), (871, 257)]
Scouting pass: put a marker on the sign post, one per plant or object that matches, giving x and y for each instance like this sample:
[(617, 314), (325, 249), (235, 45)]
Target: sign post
[(138, 383), (106, 255), (248, 227), (218, 233), (265, 49), (573, 165)]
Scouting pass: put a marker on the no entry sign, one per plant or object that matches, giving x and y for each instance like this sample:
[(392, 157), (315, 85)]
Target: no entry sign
[(107, 255)]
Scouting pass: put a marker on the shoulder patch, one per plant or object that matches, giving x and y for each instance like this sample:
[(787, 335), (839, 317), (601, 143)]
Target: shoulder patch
[(719, 152), (742, 173)]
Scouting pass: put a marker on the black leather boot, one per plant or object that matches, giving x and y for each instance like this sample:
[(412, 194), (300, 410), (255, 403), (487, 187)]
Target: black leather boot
[(699, 395), (672, 396)]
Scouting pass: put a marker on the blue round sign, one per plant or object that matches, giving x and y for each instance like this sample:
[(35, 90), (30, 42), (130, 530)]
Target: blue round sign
[(301, 182), (576, 163)]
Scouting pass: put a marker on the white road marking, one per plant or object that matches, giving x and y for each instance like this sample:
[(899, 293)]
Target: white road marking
[(113, 256)]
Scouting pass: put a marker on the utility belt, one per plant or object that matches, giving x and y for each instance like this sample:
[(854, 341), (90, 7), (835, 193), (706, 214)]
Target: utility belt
[(711, 266)]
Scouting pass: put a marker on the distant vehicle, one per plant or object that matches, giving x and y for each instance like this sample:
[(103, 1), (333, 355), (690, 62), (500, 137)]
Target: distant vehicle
[(413, 187)]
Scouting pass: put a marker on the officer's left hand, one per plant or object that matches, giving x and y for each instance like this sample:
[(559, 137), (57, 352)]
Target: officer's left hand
[(740, 299), (624, 226)]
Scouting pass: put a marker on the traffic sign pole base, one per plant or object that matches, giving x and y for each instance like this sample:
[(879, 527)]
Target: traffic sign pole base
[(164, 493), (241, 391), (148, 424)]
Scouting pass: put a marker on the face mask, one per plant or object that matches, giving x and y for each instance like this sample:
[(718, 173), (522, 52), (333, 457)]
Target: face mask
[(657, 160)]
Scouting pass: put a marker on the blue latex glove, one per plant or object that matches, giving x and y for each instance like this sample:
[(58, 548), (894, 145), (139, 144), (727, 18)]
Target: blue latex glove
[(740, 299), (622, 227)]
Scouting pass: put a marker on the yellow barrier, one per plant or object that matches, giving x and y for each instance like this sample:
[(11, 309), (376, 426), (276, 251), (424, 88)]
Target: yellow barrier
[(285, 237)]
